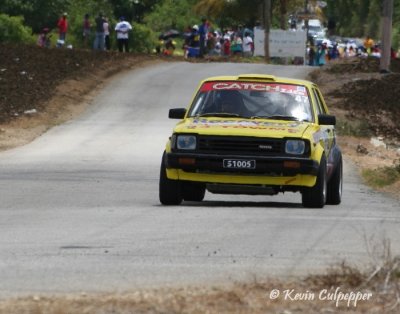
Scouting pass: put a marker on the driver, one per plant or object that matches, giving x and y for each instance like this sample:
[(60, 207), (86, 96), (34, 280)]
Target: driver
[(231, 102)]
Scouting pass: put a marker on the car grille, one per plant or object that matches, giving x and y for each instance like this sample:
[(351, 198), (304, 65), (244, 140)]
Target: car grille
[(240, 145)]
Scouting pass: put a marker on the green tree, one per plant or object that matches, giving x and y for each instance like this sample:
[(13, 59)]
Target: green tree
[(373, 26), (143, 38), (12, 29), (177, 14), (76, 11), (37, 13), (134, 10), (396, 25)]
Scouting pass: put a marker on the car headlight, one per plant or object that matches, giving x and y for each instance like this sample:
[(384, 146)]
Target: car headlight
[(295, 147), (186, 142)]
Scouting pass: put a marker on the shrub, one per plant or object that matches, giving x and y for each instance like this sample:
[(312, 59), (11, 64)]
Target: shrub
[(12, 29), (143, 39)]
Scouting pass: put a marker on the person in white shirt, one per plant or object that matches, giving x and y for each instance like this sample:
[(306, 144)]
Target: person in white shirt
[(122, 28), (247, 45)]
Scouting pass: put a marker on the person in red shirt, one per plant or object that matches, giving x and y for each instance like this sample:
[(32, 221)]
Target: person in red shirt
[(226, 47), (62, 27)]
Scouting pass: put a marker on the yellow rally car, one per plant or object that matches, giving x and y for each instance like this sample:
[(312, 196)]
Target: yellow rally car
[(253, 134)]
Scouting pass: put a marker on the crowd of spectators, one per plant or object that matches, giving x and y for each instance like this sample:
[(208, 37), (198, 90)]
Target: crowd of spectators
[(320, 52), (202, 40), (101, 33)]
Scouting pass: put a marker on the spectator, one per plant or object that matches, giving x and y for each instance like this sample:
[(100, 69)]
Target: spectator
[(392, 53), (368, 45), (215, 44), (375, 52), (122, 28), (106, 27), (62, 27), (186, 42), (321, 55), (226, 47), (247, 45), (333, 52), (193, 49), (44, 38), (203, 30), (236, 45), (311, 55), (350, 52), (86, 29), (169, 47), (99, 38)]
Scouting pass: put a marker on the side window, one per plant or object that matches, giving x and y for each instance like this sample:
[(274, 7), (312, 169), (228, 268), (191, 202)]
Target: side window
[(320, 103)]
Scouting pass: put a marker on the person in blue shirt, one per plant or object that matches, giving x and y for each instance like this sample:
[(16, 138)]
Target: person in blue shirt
[(203, 31)]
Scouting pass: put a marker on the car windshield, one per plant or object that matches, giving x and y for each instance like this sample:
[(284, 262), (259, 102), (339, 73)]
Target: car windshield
[(252, 100)]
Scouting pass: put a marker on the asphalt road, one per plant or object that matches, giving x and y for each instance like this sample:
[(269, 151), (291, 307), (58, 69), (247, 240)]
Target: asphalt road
[(79, 206)]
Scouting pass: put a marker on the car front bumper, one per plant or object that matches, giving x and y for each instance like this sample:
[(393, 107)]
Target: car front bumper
[(269, 170)]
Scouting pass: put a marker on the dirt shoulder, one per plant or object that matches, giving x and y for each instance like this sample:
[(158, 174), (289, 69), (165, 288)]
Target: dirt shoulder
[(41, 88), (341, 290), (367, 108)]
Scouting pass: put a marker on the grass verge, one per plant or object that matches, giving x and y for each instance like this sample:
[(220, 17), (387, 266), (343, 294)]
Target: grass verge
[(342, 289), (382, 176)]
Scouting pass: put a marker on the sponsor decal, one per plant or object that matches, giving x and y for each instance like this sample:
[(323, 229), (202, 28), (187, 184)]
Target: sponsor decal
[(202, 123), (257, 87)]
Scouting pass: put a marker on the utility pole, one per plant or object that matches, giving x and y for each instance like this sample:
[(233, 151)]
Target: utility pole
[(306, 26), (267, 26), (387, 14)]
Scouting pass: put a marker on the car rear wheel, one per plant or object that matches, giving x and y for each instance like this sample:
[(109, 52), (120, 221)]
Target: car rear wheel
[(193, 191), (335, 185), (315, 197), (170, 191)]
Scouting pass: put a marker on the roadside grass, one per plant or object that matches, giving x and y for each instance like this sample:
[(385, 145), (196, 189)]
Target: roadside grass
[(382, 176), (357, 128), (379, 286)]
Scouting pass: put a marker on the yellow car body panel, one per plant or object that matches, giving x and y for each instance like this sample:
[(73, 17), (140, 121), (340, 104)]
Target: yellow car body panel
[(319, 137), (298, 180)]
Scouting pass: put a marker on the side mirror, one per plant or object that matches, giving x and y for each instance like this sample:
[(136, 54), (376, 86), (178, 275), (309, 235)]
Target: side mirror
[(326, 119), (177, 113)]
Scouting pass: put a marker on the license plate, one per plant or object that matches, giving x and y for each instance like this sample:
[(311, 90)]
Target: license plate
[(239, 164)]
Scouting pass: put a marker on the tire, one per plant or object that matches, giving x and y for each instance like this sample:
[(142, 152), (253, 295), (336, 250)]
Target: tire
[(315, 197), (170, 192), (335, 185), (193, 191)]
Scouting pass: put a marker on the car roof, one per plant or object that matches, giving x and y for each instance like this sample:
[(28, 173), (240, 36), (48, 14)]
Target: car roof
[(264, 78)]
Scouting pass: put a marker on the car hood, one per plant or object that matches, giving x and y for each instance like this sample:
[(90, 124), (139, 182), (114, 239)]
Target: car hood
[(242, 127)]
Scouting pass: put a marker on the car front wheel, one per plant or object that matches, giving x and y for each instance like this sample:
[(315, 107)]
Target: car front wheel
[(315, 197), (170, 191), (193, 191), (335, 185)]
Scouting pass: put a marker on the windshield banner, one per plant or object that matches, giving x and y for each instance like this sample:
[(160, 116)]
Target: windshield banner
[(256, 87)]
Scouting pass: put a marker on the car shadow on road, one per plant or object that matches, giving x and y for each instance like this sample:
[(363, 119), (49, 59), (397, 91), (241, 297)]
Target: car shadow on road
[(242, 204)]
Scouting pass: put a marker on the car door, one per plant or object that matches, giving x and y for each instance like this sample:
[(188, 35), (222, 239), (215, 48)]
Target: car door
[(327, 131)]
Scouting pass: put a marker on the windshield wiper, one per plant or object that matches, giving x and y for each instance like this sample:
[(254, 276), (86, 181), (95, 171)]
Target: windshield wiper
[(220, 114), (277, 117)]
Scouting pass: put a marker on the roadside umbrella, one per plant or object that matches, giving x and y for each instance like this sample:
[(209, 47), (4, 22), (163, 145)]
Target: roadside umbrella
[(248, 30), (172, 33)]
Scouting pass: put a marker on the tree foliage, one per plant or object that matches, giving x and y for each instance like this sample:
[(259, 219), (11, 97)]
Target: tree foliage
[(360, 18), (76, 11), (12, 29), (37, 13), (143, 39), (133, 10), (350, 18), (176, 14)]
